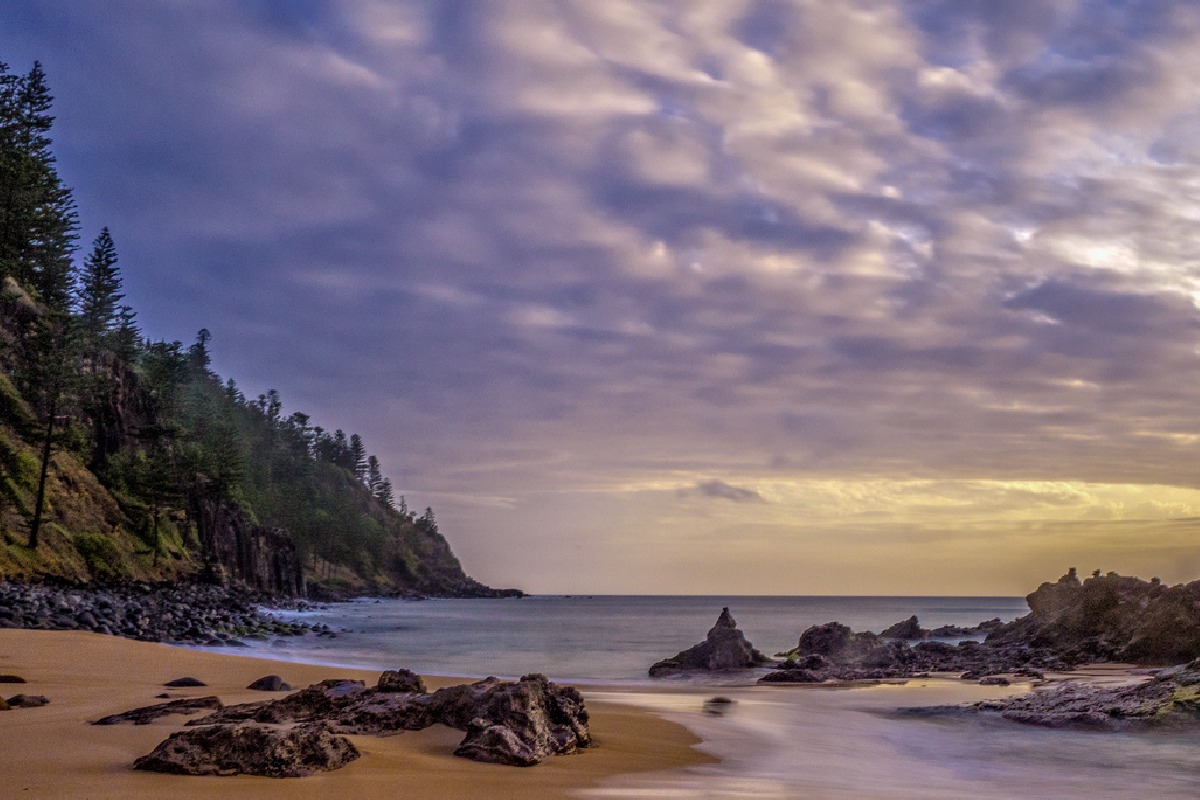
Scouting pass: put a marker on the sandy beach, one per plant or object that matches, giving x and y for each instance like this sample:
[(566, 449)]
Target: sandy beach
[(53, 752)]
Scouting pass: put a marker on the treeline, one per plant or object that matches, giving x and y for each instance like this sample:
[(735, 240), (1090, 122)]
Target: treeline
[(150, 419)]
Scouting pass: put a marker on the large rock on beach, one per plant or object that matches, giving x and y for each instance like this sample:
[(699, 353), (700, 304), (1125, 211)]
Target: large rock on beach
[(270, 683), (724, 649), (250, 749), (546, 718)]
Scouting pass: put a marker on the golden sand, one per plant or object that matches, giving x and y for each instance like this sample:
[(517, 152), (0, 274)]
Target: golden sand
[(52, 751)]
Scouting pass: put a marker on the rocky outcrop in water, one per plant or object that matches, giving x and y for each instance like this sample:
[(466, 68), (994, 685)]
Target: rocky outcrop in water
[(725, 648), (834, 652), (1170, 701), (1110, 618)]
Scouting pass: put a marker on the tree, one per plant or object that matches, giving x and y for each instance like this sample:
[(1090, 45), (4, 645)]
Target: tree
[(100, 288), (384, 493), (55, 342), (358, 456), (374, 476), (37, 213)]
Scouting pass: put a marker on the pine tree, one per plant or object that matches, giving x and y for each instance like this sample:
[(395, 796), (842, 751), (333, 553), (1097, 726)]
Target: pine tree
[(358, 456), (374, 476), (38, 221), (100, 288), (384, 493)]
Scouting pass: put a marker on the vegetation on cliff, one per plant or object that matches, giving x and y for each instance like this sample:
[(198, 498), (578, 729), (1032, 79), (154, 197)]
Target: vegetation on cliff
[(123, 457)]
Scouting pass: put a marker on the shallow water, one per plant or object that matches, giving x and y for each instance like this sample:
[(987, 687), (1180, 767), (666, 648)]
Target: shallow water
[(599, 639), (812, 742), (777, 742)]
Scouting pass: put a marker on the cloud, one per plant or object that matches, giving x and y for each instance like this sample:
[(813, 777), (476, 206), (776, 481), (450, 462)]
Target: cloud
[(792, 240), (722, 490)]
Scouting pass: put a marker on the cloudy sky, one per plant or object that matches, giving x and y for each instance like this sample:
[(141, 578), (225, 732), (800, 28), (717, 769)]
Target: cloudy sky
[(700, 296)]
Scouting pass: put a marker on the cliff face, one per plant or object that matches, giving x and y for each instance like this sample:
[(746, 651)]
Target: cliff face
[(235, 551)]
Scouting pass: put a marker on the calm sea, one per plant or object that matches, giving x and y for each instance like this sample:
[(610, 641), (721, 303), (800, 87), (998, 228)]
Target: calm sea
[(592, 639)]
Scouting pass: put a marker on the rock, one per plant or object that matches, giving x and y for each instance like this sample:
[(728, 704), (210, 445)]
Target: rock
[(718, 706), (185, 682), (908, 629), (4, 705), (993, 680), (791, 676), (250, 749), (1168, 702), (27, 701), (400, 680), (147, 714), (12, 679), (270, 683), (725, 648), (545, 717), (495, 744), (321, 701)]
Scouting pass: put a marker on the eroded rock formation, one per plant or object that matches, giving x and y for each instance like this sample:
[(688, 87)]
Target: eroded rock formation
[(725, 648)]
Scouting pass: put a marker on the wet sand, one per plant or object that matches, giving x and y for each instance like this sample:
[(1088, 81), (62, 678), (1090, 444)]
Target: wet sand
[(53, 752)]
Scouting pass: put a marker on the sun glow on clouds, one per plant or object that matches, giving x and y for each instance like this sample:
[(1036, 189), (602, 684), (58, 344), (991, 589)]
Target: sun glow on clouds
[(764, 294)]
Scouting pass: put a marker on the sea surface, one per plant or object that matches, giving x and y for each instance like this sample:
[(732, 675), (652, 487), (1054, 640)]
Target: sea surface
[(592, 638), (776, 741)]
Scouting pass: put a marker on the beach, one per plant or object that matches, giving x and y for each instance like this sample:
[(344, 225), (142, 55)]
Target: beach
[(52, 751)]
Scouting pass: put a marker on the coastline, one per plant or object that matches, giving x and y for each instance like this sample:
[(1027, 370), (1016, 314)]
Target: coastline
[(53, 752)]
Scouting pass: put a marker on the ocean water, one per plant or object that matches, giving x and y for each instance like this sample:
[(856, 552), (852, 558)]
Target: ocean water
[(592, 639), (776, 741)]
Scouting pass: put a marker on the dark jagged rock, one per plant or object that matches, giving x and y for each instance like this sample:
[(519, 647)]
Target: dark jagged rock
[(1170, 701), (547, 718), (147, 714), (725, 648), (495, 744), (908, 629), (270, 683), (400, 680), (27, 701), (1110, 618), (251, 749), (993, 680), (321, 701), (178, 682), (12, 679)]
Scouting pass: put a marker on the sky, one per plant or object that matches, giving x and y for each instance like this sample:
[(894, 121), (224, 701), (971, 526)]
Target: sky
[(683, 296)]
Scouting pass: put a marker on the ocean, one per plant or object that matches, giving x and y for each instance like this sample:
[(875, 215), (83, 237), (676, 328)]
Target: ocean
[(776, 742), (605, 639)]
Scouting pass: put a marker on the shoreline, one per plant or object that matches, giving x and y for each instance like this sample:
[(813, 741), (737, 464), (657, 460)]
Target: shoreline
[(52, 751)]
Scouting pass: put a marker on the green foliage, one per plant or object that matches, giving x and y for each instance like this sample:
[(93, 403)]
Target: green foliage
[(101, 555)]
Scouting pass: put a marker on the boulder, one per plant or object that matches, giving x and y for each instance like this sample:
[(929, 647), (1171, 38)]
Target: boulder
[(12, 679), (725, 648), (27, 701), (993, 680), (270, 683), (147, 714), (185, 682), (400, 680), (250, 749)]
